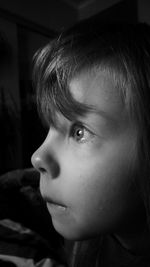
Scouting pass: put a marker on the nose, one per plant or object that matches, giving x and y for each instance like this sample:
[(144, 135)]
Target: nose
[(44, 160)]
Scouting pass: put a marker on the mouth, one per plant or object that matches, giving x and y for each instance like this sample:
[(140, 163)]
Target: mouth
[(53, 202), (55, 207), (57, 210)]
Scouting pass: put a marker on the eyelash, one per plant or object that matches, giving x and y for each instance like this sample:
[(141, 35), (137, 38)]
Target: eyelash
[(84, 134)]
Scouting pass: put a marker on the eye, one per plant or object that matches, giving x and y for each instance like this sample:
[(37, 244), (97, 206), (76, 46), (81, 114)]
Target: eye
[(80, 133)]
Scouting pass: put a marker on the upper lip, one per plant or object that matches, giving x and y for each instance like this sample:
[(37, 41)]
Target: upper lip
[(53, 201)]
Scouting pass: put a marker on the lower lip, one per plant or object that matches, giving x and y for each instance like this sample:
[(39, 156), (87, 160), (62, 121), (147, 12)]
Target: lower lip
[(56, 209)]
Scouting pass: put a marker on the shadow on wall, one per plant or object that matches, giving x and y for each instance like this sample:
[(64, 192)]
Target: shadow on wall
[(16, 124), (9, 115), (10, 129)]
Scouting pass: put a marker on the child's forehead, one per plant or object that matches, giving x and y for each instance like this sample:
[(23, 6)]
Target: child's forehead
[(86, 91), (96, 91), (96, 87)]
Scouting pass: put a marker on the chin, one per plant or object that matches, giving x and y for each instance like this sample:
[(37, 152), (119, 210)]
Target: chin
[(73, 233), (69, 232)]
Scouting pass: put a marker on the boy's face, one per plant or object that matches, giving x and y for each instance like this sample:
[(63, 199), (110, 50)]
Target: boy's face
[(87, 166)]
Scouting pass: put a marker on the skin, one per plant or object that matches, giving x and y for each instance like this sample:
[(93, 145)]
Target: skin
[(88, 166)]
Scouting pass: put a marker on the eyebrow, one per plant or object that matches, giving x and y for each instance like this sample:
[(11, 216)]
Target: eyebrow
[(97, 111), (80, 110), (58, 124)]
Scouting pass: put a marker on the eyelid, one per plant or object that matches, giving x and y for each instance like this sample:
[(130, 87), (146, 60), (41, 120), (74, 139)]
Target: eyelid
[(82, 125), (79, 124), (86, 127)]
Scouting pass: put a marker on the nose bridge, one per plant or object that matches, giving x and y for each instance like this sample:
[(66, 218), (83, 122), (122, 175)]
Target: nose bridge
[(44, 158)]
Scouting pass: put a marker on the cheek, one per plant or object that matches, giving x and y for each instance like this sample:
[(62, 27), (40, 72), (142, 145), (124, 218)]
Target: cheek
[(99, 190), (103, 175)]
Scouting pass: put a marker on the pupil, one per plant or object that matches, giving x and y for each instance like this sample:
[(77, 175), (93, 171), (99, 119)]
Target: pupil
[(79, 132)]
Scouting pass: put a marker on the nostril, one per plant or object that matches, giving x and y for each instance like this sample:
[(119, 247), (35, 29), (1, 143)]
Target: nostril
[(41, 170)]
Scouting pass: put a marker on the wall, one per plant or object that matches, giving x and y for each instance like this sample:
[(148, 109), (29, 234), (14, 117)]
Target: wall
[(10, 106), (18, 117), (56, 14), (144, 11), (49, 14)]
